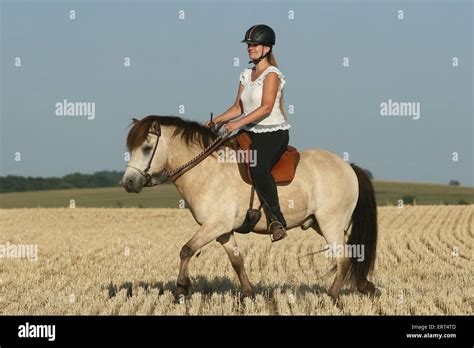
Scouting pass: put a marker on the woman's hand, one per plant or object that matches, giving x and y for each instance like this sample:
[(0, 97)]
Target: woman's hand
[(231, 126), (208, 124)]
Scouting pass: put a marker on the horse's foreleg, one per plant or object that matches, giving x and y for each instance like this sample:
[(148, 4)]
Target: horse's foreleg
[(206, 233), (230, 245), (183, 283)]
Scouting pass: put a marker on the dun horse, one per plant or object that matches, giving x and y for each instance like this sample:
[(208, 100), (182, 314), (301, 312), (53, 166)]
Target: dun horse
[(334, 198)]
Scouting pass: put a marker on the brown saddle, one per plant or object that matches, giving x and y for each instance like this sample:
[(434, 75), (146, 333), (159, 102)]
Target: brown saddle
[(283, 171)]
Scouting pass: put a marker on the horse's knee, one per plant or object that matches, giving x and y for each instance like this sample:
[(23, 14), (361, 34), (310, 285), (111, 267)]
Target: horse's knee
[(223, 239), (186, 252)]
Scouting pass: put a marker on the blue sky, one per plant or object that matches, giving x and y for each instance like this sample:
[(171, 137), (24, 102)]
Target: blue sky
[(196, 62)]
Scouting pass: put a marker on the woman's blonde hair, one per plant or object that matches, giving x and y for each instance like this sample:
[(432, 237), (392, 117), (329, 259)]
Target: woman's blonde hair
[(272, 61)]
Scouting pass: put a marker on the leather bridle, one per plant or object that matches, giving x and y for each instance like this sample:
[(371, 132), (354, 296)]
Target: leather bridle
[(145, 172), (177, 172)]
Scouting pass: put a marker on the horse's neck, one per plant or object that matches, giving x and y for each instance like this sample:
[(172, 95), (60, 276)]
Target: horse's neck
[(178, 154)]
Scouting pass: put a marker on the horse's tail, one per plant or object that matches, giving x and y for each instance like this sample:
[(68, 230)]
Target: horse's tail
[(364, 229)]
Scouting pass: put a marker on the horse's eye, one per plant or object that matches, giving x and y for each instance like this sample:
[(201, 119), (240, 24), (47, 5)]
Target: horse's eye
[(147, 149)]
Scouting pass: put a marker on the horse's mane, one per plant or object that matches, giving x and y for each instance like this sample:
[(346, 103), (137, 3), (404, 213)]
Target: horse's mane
[(191, 132)]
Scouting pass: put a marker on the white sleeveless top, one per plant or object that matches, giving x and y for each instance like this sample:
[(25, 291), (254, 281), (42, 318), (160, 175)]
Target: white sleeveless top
[(251, 98)]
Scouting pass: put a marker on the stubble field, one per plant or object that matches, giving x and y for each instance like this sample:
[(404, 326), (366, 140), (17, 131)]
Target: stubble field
[(125, 261)]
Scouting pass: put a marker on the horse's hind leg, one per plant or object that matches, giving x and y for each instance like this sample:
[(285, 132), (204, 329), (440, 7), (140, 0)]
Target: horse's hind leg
[(342, 263), (230, 245), (334, 236)]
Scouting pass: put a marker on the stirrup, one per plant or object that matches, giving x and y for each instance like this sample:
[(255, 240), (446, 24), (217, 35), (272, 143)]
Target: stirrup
[(279, 235)]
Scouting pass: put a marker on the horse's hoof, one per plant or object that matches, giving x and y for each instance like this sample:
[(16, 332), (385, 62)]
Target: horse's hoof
[(370, 290), (246, 294), (376, 293), (336, 301), (180, 298), (183, 287), (182, 293)]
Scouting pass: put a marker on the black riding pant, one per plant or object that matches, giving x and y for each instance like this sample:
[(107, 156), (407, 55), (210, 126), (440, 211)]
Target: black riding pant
[(269, 147)]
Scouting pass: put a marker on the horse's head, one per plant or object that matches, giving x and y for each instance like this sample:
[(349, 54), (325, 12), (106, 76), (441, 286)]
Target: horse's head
[(148, 151)]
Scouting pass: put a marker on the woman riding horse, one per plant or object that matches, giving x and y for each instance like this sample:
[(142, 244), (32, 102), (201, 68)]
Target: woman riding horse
[(259, 98)]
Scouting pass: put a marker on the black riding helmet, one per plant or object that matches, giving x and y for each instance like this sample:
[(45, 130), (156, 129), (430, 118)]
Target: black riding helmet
[(260, 34)]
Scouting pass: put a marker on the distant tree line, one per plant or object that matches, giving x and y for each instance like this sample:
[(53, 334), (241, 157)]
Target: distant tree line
[(105, 178), (13, 183)]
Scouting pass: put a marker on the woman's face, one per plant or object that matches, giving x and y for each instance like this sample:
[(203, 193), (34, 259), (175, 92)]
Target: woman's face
[(256, 50)]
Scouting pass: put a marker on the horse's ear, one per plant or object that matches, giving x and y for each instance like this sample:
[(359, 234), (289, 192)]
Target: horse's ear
[(135, 120), (155, 127)]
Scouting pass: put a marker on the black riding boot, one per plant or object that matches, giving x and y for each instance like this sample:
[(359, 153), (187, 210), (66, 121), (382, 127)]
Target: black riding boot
[(277, 212), (277, 224)]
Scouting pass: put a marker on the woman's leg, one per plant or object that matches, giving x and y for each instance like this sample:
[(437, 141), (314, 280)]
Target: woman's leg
[(275, 205), (269, 148)]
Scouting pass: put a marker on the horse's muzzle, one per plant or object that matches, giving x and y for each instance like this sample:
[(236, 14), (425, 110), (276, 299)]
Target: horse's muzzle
[(132, 183)]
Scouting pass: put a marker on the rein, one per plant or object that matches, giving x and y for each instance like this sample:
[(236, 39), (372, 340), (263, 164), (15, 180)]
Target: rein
[(177, 172)]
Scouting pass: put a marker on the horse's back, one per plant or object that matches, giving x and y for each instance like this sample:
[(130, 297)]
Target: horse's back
[(321, 160)]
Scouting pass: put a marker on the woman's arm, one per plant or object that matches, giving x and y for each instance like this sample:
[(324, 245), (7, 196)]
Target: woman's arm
[(234, 111)]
